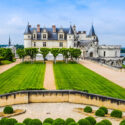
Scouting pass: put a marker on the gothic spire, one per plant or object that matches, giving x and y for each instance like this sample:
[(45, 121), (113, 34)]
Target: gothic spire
[(92, 31), (27, 30), (70, 30), (9, 41)]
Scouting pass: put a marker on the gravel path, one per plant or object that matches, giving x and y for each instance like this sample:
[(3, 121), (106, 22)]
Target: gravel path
[(49, 80), (3, 68), (54, 110), (115, 76)]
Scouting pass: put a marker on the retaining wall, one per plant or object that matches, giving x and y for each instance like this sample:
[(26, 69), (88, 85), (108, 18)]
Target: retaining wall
[(34, 96)]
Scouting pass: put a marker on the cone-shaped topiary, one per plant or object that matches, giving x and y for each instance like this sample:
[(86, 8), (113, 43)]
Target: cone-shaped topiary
[(27, 121), (104, 109), (88, 109), (83, 122), (91, 120), (116, 113), (107, 122), (8, 110), (58, 121), (48, 120), (35, 122), (100, 112), (69, 120), (122, 122)]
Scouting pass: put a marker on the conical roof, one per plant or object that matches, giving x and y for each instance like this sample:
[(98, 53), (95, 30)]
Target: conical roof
[(71, 30), (92, 31), (27, 30)]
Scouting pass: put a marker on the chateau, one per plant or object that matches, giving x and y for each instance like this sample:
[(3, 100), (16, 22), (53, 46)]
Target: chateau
[(71, 38)]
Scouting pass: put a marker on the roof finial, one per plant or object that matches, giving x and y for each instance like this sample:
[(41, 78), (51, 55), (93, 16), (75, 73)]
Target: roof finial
[(9, 41)]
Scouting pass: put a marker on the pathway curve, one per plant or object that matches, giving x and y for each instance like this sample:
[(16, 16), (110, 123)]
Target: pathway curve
[(115, 76), (49, 80), (3, 68)]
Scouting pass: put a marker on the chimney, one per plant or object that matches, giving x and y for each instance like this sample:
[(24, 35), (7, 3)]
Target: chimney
[(54, 28), (38, 27)]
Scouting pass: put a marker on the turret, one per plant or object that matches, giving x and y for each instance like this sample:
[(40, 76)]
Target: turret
[(70, 38), (27, 37)]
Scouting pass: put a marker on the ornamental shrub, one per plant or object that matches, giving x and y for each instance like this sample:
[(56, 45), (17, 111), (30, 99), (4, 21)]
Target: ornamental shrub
[(27, 121), (35, 122), (48, 120), (88, 109), (122, 122), (100, 123), (69, 120), (104, 109), (8, 110), (91, 120), (19, 124), (107, 122), (100, 112), (47, 124), (10, 121), (58, 121), (3, 121), (83, 122), (73, 123), (116, 113)]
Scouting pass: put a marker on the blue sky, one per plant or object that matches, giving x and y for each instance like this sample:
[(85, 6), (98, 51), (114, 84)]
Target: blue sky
[(108, 17)]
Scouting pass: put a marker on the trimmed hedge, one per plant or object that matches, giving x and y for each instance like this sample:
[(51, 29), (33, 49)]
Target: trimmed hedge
[(58, 121), (100, 112), (91, 120), (48, 120), (107, 122), (47, 124), (116, 113), (100, 123), (88, 109), (122, 122), (10, 121), (27, 121), (35, 122), (83, 122), (3, 121), (69, 120), (19, 124), (104, 109), (73, 123), (8, 110)]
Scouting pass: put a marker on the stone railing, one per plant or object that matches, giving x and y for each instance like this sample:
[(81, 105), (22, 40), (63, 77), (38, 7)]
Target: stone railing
[(57, 96)]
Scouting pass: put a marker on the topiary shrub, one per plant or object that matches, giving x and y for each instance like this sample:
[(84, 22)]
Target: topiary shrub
[(19, 124), (47, 124), (116, 113), (91, 120), (35, 122), (107, 122), (104, 109), (69, 120), (3, 121), (27, 121), (100, 123), (58, 121), (11, 121), (83, 122), (122, 122), (48, 120), (88, 109), (73, 123), (100, 112), (8, 110)]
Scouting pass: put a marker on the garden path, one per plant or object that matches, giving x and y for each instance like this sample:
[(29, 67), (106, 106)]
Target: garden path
[(49, 80), (114, 76), (3, 68)]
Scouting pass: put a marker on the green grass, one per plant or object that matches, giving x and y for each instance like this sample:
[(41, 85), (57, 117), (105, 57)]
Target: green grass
[(22, 76), (78, 77)]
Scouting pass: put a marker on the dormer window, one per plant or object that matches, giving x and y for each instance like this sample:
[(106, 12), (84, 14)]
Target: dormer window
[(61, 36), (44, 36), (34, 36)]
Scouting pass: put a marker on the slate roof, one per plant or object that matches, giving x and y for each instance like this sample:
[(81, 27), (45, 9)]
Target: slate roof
[(92, 31)]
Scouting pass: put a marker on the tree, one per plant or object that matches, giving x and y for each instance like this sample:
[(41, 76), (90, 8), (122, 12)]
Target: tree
[(31, 52), (71, 52), (21, 53), (1, 58), (55, 52), (76, 54), (44, 52), (65, 53)]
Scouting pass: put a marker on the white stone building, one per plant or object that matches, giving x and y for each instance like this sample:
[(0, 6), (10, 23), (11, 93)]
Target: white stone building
[(69, 38)]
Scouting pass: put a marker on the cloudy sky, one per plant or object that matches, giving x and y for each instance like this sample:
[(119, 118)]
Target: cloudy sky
[(108, 17)]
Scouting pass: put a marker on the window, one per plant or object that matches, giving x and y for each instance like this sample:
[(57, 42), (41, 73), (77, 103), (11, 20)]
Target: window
[(44, 44), (28, 36), (34, 36), (61, 44), (61, 36), (104, 53), (34, 44), (44, 36)]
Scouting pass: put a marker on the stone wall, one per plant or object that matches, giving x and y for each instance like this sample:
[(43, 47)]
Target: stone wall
[(35, 96)]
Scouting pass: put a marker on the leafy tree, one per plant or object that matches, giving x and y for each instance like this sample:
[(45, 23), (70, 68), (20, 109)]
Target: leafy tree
[(21, 53), (1, 58), (19, 46), (71, 52), (76, 53), (44, 52), (55, 52), (65, 53), (31, 52)]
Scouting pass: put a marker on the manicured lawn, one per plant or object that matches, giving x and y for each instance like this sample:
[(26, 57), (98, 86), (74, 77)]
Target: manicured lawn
[(78, 77), (22, 76)]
